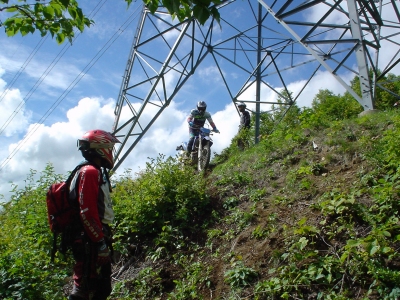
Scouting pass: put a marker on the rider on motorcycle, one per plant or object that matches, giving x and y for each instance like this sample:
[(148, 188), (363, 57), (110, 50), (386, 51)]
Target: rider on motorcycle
[(196, 120)]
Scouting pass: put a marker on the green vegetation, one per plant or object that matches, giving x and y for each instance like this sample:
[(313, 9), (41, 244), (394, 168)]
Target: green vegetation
[(282, 219), (61, 18)]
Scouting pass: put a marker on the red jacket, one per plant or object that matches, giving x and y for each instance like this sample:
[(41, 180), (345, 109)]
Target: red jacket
[(94, 201)]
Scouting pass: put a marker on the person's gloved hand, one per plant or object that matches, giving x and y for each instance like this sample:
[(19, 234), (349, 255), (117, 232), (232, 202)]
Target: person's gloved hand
[(103, 254), (216, 130), (191, 124)]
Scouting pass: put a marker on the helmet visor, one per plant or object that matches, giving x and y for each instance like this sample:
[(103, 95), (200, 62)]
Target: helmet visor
[(201, 109), (85, 145)]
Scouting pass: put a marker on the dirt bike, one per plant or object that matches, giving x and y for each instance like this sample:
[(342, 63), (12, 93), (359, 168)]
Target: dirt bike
[(201, 152)]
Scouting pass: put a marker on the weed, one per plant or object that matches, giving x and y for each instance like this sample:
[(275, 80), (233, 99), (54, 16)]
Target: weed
[(240, 275), (230, 202), (260, 232), (256, 195)]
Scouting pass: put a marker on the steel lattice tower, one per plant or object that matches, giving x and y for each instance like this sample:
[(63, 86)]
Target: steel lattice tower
[(268, 44)]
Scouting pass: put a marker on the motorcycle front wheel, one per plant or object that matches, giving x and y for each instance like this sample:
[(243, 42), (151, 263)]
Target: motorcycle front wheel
[(204, 157)]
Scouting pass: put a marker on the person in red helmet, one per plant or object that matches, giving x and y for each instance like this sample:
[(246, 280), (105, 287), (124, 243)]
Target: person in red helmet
[(92, 248)]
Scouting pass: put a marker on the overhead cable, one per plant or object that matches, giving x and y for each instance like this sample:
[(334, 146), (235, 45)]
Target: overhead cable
[(45, 73), (92, 62)]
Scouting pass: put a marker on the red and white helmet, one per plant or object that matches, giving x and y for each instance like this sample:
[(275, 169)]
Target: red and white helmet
[(99, 143)]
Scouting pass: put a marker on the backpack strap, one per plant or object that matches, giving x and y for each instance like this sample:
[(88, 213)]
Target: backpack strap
[(71, 176)]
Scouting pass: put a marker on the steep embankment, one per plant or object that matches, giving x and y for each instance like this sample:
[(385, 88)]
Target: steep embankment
[(305, 214), (311, 212)]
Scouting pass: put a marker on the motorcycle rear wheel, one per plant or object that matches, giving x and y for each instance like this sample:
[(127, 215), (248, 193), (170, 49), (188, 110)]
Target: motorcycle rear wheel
[(204, 159)]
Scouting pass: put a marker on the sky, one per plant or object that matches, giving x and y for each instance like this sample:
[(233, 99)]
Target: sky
[(50, 95)]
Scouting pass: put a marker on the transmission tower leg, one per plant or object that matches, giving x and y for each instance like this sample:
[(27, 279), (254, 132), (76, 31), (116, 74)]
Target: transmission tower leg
[(365, 83)]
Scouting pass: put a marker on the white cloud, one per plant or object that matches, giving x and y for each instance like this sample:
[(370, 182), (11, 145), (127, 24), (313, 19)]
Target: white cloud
[(315, 13), (13, 118), (322, 80), (210, 74), (56, 143)]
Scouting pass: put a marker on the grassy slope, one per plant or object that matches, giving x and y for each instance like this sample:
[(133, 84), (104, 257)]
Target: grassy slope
[(278, 220), (288, 221)]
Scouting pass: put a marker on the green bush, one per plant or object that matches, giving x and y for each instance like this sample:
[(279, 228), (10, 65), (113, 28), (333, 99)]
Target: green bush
[(26, 241), (163, 194)]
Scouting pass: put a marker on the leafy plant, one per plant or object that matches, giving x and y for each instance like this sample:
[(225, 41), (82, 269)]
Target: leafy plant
[(143, 207), (240, 275)]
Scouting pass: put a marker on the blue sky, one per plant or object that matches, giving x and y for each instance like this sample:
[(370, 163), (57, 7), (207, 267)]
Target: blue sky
[(52, 94)]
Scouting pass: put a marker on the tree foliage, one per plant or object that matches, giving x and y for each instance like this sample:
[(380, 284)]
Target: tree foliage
[(335, 107), (61, 18)]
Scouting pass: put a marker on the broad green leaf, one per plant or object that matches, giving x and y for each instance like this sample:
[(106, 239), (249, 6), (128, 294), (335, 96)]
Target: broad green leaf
[(55, 27), (353, 243), (39, 25), (9, 22), (48, 12), (201, 14), (303, 242), (373, 250), (72, 12), (38, 8), (64, 2), (215, 12), (79, 14), (24, 30), (10, 31), (12, 9), (57, 10), (60, 38)]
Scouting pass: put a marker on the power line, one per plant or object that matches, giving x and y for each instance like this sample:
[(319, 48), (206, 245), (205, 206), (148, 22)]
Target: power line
[(92, 62), (22, 68), (46, 72)]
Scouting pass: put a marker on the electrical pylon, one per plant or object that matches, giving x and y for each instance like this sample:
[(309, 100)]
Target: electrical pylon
[(259, 49)]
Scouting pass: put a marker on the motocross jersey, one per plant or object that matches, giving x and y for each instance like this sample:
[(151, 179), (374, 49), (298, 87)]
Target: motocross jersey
[(94, 201), (199, 119)]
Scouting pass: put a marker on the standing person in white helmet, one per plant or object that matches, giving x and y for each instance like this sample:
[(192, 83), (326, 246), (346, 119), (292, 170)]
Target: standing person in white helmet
[(92, 247), (244, 116), (196, 120), (244, 124)]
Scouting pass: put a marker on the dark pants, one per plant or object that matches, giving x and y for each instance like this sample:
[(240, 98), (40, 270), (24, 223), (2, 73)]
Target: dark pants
[(91, 281), (192, 133)]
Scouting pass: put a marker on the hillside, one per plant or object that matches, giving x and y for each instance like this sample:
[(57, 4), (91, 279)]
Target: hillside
[(310, 212), (315, 218)]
